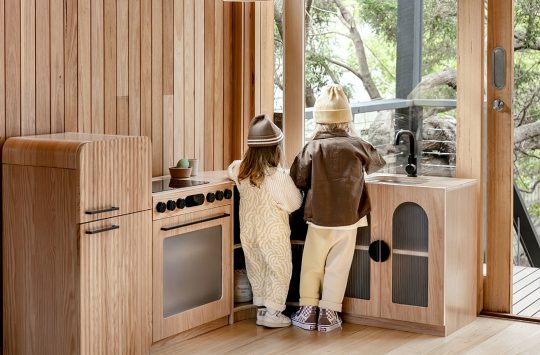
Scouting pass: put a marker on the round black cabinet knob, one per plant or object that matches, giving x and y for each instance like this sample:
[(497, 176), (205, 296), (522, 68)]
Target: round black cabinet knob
[(181, 203), (171, 205), (211, 197), (161, 207), (228, 194), (219, 195), (379, 251)]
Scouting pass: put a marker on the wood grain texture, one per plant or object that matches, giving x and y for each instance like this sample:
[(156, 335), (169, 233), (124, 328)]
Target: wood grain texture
[(165, 327), (116, 266), (499, 166), (57, 65), (28, 67), (97, 66), (110, 66), (470, 113), (71, 95), (106, 66), (134, 67), (228, 86), (157, 87), (43, 67), (13, 67)]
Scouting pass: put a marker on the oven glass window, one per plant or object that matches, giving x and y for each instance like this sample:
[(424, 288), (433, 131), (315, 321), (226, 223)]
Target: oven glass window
[(192, 270)]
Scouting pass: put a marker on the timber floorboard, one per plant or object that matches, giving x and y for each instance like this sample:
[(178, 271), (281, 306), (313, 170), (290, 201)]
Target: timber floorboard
[(483, 336)]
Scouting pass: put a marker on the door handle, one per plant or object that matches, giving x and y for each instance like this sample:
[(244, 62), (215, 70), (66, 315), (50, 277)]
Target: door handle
[(103, 230), (196, 222), (105, 210), (498, 105), (499, 68)]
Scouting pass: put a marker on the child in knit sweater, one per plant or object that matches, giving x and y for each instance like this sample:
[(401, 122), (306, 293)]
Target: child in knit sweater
[(267, 197)]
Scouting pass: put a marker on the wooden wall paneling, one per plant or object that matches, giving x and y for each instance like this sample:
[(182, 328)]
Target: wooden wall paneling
[(199, 81), (97, 66), (157, 87), (84, 67), (499, 165), (134, 74), (257, 63), (2, 76), (228, 87), (293, 102), (43, 67), (122, 64), (470, 113), (249, 82), (122, 114), (57, 87), (146, 68), (168, 85), (178, 121), (189, 78), (28, 67), (209, 63), (218, 126), (71, 83), (13, 67), (109, 26), (266, 58), (237, 98)]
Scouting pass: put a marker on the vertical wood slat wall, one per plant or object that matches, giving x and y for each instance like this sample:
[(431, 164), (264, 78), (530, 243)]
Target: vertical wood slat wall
[(137, 67)]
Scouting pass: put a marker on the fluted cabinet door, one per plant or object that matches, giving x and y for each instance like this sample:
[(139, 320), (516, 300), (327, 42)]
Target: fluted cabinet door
[(412, 279)]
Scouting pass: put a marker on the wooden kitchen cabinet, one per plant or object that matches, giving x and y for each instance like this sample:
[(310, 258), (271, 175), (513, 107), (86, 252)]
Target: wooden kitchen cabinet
[(426, 278), (77, 244)]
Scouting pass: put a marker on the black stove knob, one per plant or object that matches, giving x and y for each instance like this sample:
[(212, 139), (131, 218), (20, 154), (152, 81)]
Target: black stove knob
[(161, 207), (181, 203), (228, 194), (219, 195), (210, 197), (171, 205), (195, 200)]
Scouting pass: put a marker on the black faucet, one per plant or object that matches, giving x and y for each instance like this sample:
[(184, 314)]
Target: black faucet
[(412, 162)]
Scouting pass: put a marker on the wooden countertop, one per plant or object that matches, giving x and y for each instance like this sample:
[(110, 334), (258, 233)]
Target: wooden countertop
[(436, 182)]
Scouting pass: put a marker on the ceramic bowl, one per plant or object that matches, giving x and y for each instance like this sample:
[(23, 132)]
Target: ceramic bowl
[(180, 173)]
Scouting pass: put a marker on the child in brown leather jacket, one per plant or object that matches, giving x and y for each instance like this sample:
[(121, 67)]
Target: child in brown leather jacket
[(330, 170)]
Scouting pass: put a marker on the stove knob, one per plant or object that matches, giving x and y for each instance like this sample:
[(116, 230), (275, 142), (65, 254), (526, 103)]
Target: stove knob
[(180, 203), (219, 195), (228, 194), (161, 207), (171, 205), (211, 197)]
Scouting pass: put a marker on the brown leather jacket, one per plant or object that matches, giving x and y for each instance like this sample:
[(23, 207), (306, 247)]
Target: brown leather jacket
[(330, 169)]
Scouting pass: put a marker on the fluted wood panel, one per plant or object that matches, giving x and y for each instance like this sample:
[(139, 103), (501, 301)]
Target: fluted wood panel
[(137, 67)]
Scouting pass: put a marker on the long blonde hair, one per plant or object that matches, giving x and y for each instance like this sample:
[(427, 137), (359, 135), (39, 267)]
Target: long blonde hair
[(257, 161)]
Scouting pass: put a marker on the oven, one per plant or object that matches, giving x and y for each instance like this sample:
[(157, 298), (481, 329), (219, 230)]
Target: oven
[(192, 264)]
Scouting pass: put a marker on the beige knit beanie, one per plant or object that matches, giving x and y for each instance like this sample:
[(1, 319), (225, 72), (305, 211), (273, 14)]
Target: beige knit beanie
[(332, 106)]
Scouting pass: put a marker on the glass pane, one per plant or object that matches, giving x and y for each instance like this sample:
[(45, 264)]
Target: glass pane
[(192, 270), (278, 62), (396, 60)]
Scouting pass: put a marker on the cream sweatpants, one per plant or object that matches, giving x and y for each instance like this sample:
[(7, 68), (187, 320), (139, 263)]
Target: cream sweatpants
[(326, 262)]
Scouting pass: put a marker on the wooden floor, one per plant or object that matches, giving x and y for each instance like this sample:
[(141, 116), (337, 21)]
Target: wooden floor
[(484, 336), (526, 300)]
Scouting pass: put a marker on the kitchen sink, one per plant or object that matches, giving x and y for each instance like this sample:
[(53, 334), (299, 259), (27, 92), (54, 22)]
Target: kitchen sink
[(398, 180)]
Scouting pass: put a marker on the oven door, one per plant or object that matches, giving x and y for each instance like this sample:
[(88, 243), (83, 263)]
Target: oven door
[(192, 270)]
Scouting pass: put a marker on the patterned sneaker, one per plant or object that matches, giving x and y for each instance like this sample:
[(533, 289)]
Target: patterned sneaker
[(275, 319), (261, 312), (328, 320), (305, 318)]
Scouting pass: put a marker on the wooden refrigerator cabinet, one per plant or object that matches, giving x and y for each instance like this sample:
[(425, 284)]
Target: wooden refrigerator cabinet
[(77, 244)]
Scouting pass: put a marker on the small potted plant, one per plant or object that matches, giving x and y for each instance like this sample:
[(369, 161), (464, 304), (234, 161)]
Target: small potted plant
[(181, 170)]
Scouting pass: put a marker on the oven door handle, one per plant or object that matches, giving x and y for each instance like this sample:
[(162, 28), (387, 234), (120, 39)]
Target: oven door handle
[(195, 222)]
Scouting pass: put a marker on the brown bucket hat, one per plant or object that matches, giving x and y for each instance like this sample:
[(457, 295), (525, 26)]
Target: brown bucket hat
[(263, 132)]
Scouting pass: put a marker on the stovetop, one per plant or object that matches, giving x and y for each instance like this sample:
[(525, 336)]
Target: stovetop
[(168, 184)]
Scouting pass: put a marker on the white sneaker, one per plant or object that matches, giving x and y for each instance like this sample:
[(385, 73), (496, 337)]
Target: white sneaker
[(275, 319), (261, 312)]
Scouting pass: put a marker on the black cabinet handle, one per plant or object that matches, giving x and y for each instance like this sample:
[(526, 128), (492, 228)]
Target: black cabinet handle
[(110, 209), (196, 222), (379, 251), (106, 229)]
